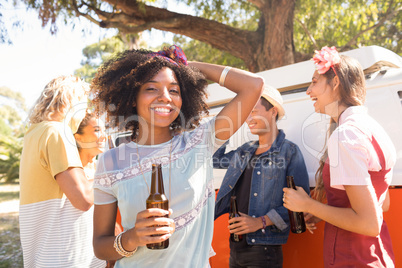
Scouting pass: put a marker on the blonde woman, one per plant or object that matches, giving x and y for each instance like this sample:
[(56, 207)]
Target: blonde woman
[(56, 198), (355, 171)]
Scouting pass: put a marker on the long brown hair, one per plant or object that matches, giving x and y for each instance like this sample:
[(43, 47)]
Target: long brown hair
[(352, 90)]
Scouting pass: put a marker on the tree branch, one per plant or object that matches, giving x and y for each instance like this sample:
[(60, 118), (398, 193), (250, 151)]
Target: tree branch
[(390, 13), (308, 33), (103, 16), (133, 18), (87, 16), (258, 3)]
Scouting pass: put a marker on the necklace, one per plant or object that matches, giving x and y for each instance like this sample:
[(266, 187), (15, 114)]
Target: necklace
[(170, 167)]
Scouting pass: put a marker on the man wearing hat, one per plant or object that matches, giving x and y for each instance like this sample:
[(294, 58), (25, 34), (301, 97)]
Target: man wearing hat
[(256, 175)]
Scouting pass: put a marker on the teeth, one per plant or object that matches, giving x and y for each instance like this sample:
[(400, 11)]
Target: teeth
[(162, 110)]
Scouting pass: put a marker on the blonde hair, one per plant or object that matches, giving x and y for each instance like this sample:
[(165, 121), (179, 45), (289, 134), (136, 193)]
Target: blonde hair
[(58, 96), (352, 90)]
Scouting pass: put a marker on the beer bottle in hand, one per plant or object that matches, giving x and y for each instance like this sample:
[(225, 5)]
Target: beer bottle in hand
[(297, 224), (110, 142), (233, 213), (157, 199)]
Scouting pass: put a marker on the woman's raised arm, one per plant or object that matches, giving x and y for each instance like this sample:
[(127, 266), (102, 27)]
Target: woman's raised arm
[(246, 85)]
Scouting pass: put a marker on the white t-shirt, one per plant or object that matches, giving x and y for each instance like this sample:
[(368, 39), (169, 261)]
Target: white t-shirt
[(189, 168)]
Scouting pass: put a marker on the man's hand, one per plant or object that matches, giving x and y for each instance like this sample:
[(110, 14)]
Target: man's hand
[(244, 224)]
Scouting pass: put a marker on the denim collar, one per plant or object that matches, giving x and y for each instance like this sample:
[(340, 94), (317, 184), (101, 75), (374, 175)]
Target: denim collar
[(275, 147)]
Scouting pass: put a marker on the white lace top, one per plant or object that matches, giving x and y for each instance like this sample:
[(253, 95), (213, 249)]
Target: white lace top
[(192, 194)]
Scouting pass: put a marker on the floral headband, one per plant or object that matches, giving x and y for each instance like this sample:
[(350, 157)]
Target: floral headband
[(326, 58), (174, 54)]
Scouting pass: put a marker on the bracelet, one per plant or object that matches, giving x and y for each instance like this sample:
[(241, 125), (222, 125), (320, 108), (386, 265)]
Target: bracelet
[(223, 75), (264, 224), (119, 248)]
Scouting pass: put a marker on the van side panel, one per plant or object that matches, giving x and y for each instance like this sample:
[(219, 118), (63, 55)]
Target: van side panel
[(306, 250)]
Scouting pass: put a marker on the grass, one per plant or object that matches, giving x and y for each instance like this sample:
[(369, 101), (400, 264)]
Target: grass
[(9, 191), (10, 246), (7, 196)]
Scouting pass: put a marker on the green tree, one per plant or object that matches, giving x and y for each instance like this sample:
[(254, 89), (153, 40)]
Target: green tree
[(97, 53), (12, 109), (199, 51), (348, 24), (15, 97), (264, 34), (10, 155)]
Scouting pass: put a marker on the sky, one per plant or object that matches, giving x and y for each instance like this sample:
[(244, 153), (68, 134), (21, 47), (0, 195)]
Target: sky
[(36, 56)]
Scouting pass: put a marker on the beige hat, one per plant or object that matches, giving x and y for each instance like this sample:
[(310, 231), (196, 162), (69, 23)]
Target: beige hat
[(272, 95)]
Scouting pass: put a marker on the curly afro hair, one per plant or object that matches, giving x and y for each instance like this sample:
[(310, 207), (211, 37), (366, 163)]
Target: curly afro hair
[(118, 81)]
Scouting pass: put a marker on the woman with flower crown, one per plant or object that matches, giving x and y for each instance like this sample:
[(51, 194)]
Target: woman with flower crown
[(355, 169), (160, 97)]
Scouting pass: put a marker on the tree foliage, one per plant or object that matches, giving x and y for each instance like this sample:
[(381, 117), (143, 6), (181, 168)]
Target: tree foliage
[(10, 155), (263, 34), (12, 109), (348, 24), (97, 53), (15, 98), (199, 51)]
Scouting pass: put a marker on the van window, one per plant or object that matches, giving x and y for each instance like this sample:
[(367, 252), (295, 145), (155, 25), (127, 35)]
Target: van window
[(400, 95)]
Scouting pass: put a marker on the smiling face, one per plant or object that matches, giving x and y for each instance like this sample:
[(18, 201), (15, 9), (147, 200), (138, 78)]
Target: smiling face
[(159, 101), (323, 94), (260, 120), (92, 136)]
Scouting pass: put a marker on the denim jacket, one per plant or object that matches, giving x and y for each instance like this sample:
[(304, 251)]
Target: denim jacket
[(269, 178)]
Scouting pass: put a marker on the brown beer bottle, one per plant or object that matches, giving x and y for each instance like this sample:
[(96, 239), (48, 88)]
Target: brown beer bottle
[(233, 213), (297, 224), (110, 142), (157, 199)]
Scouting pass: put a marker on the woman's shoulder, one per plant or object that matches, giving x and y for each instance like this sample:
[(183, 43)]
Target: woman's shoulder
[(204, 133), (356, 123), (350, 131), (358, 132), (205, 125), (110, 154), (51, 131), (49, 126)]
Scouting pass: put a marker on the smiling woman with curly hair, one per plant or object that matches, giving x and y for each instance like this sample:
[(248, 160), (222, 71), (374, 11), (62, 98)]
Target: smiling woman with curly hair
[(118, 82), (160, 97)]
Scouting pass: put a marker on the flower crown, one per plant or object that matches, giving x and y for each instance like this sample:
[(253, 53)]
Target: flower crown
[(326, 58)]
